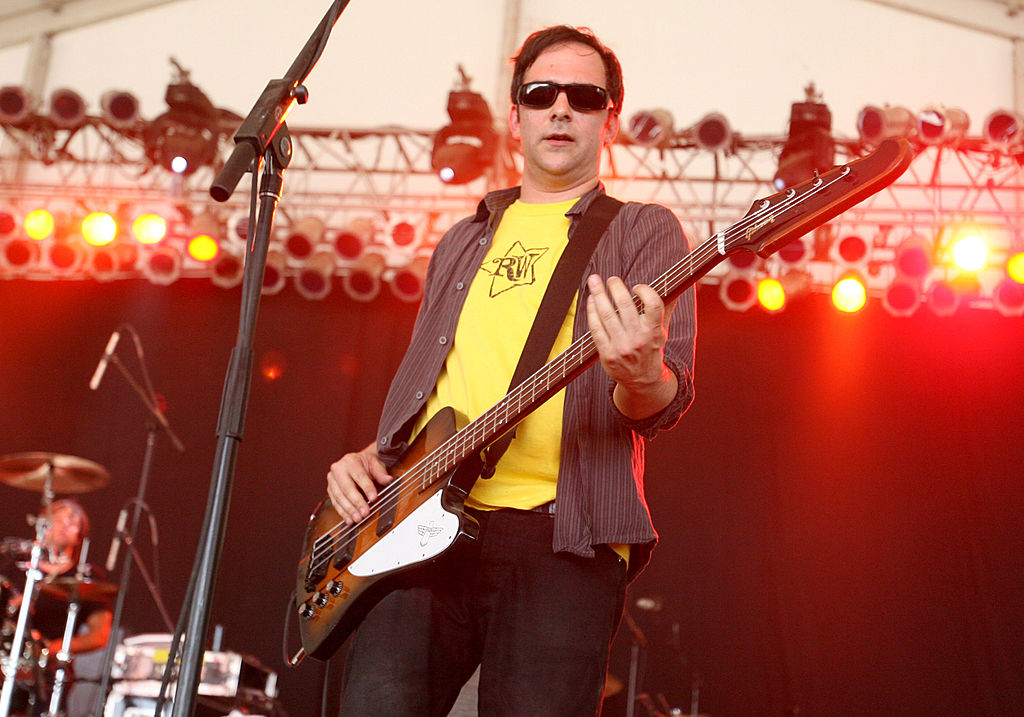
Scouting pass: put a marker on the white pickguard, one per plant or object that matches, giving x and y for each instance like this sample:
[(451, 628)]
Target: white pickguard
[(424, 534)]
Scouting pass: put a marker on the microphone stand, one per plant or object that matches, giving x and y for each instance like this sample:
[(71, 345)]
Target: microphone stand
[(158, 420), (264, 134), (638, 644)]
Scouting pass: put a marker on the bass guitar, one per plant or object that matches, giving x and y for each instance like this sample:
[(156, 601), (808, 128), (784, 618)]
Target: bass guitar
[(343, 569)]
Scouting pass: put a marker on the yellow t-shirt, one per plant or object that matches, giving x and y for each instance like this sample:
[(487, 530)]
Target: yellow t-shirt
[(495, 321), (509, 286)]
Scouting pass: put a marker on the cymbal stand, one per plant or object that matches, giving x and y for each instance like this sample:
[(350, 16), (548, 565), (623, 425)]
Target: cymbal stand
[(32, 576), (62, 678)]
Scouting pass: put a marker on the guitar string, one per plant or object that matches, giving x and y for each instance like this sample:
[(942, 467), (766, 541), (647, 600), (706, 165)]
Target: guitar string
[(581, 349)]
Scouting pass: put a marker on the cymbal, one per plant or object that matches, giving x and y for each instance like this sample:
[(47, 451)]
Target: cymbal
[(69, 474), (71, 588)]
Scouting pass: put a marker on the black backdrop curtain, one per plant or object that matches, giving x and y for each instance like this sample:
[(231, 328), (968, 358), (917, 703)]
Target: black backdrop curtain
[(839, 512)]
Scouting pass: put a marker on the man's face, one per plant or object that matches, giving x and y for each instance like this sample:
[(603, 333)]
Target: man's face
[(65, 529), (562, 146)]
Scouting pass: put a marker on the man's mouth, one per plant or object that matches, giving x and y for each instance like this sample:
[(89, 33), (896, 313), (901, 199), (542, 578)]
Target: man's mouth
[(559, 137)]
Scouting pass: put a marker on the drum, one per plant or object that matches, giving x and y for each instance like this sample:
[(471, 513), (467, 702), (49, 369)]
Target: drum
[(33, 682)]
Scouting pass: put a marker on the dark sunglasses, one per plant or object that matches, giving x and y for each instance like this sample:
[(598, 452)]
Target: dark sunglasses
[(582, 98)]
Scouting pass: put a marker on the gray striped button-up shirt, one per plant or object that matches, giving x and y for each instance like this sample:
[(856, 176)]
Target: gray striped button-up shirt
[(600, 492)]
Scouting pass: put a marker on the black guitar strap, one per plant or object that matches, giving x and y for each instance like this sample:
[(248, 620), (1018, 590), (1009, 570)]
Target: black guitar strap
[(553, 308)]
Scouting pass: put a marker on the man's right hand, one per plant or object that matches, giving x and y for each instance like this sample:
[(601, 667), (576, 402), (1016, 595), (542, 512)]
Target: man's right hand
[(353, 482)]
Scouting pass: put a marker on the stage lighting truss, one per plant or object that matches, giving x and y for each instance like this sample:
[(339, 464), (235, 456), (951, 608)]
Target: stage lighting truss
[(368, 187)]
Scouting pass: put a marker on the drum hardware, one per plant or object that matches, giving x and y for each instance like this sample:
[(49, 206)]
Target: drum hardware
[(46, 473), (32, 576), (64, 655)]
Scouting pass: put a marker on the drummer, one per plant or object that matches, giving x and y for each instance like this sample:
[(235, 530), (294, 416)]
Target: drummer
[(62, 547)]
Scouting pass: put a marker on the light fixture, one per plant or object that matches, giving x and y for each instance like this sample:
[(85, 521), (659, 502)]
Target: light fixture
[(39, 224), (774, 295), (184, 138), (943, 299), (274, 272), (942, 125), (362, 280), (914, 257), (64, 257), (712, 132), (18, 256), (1008, 298), (99, 228), (301, 240), (350, 241), (9, 223), (313, 279), (850, 250), (162, 264), (227, 270), (849, 294), (67, 108), (464, 149), (406, 282), (16, 105), (875, 124), (1004, 130), (120, 109), (737, 291), (902, 297), (651, 128), (809, 147)]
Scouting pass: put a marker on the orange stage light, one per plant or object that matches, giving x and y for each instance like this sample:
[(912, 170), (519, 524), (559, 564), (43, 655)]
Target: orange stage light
[(99, 228), (149, 228), (39, 224), (203, 247), (849, 294)]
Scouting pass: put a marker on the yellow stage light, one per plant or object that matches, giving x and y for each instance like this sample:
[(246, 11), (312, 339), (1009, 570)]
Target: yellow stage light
[(99, 228), (849, 294), (149, 228), (970, 251), (771, 295), (1015, 267), (203, 247), (39, 224)]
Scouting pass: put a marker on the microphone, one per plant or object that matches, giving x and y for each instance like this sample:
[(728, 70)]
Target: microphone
[(115, 544), (101, 367)]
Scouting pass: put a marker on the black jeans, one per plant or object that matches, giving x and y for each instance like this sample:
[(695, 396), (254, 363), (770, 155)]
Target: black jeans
[(539, 624)]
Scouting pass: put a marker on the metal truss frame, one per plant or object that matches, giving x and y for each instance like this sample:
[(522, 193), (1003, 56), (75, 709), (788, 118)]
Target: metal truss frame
[(385, 173)]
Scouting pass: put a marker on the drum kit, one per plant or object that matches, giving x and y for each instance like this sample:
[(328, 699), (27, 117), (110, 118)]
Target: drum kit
[(31, 675)]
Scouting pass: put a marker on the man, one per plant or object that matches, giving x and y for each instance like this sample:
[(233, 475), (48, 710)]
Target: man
[(62, 549), (536, 599)]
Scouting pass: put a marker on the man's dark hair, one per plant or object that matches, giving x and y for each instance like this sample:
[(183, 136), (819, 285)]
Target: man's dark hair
[(549, 37)]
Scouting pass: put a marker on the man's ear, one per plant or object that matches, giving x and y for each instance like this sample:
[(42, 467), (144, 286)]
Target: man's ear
[(513, 122), (611, 126)]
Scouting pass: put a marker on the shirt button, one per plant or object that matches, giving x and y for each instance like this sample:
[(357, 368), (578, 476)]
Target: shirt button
[(383, 441), (483, 240), (443, 340), (419, 395), (459, 286)]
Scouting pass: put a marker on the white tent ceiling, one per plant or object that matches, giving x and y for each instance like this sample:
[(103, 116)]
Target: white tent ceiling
[(392, 62)]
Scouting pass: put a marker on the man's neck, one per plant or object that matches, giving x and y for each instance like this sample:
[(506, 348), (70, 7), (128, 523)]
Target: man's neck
[(533, 194)]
